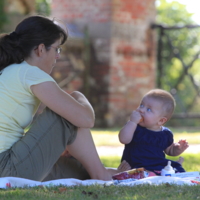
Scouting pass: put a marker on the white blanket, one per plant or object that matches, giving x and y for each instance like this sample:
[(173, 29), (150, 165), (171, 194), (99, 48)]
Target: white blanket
[(8, 182)]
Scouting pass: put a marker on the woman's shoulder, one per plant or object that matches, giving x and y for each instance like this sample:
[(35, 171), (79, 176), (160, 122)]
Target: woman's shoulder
[(30, 75), (27, 67), (33, 72), (22, 68)]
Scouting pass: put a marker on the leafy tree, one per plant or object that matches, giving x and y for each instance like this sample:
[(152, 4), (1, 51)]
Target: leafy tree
[(178, 61), (3, 18), (43, 7), (172, 13)]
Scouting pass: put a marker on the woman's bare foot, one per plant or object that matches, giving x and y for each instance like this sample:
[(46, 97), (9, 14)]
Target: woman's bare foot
[(180, 160), (124, 166)]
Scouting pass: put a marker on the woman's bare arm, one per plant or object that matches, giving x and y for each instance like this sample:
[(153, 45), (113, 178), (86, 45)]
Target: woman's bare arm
[(75, 107)]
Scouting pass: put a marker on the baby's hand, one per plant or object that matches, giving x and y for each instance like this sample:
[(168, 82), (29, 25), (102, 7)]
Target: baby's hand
[(183, 144), (177, 148), (180, 146), (135, 117)]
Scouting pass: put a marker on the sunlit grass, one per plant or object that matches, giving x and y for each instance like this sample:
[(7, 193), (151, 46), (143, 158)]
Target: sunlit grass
[(103, 192)]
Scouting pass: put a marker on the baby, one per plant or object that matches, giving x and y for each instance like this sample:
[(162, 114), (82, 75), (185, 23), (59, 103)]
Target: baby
[(146, 139)]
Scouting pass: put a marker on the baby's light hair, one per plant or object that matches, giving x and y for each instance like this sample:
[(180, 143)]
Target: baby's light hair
[(164, 97)]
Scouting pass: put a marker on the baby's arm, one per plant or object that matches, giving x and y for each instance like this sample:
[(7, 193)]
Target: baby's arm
[(127, 132), (177, 148)]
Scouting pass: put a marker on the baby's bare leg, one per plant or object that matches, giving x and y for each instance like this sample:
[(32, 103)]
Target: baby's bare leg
[(124, 166), (180, 160)]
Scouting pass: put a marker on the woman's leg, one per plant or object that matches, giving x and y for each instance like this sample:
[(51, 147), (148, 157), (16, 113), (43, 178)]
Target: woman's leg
[(34, 155), (84, 150), (67, 167)]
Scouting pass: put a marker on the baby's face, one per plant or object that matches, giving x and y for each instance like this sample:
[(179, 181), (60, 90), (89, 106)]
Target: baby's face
[(151, 111)]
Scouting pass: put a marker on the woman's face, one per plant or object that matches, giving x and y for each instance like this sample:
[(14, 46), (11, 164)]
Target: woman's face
[(50, 57)]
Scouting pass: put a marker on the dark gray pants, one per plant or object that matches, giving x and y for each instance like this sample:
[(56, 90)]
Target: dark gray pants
[(36, 155)]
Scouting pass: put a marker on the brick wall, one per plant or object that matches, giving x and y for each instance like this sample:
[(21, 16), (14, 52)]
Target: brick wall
[(122, 64), (85, 11)]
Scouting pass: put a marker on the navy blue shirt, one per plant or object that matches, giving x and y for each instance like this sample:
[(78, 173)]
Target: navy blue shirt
[(147, 150)]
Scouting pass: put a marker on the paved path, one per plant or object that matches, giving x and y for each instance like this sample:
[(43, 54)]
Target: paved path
[(117, 151)]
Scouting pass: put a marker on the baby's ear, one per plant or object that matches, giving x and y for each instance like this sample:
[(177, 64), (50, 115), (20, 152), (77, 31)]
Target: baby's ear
[(162, 121)]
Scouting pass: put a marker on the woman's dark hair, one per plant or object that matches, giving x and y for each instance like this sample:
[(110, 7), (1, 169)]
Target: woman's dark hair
[(29, 33)]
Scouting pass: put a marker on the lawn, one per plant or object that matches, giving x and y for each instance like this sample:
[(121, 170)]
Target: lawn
[(102, 192), (99, 192)]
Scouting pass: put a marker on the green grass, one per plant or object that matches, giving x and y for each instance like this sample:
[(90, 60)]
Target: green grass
[(102, 192), (145, 192)]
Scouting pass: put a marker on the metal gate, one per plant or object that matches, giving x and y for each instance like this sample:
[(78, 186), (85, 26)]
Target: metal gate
[(178, 69)]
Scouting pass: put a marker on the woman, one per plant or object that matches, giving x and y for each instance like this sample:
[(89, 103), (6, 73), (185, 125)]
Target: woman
[(27, 57)]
